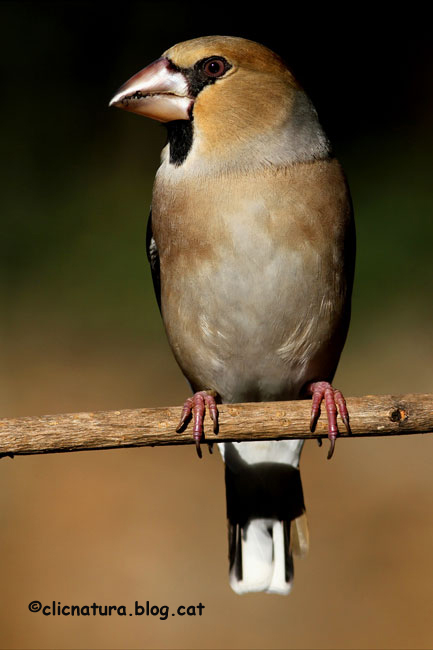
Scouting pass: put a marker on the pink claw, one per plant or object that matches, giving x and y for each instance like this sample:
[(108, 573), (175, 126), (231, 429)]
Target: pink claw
[(322, 390), (195, 407)]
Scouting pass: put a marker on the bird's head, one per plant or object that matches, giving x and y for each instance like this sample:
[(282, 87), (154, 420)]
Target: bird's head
[(224, 98)]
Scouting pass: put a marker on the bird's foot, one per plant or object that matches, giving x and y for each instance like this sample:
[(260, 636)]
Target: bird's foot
[(195, 407), (322, 390)]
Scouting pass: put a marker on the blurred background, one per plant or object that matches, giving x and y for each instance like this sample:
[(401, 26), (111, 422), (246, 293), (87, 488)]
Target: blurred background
[(80, 331)]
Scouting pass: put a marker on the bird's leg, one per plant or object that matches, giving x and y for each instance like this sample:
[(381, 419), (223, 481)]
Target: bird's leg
[(195, 407), (322, 390)]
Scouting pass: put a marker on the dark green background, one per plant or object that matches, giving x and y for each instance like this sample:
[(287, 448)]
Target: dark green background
[(77, 177)]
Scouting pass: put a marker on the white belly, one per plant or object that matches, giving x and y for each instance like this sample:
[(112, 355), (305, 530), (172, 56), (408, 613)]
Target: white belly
[(250, 326)]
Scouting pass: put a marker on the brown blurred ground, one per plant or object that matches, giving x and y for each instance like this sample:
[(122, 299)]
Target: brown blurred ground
[(118, 526), (80, 331)]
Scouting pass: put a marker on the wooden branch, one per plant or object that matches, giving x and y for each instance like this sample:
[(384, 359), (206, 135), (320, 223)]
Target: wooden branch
[(372, 415)]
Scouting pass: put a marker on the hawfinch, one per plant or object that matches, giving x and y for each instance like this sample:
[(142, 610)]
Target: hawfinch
[(251, 244)]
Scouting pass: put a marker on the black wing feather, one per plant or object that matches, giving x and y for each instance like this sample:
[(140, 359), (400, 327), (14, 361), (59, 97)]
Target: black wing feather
[(153, 257)]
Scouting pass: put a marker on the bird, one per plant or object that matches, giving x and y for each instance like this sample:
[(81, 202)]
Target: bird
[(251, 243)]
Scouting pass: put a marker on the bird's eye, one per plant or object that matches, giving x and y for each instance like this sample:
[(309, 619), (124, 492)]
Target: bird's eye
[(215, 67)]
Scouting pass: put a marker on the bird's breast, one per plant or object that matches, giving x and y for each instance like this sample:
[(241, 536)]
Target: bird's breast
[(252, 282)]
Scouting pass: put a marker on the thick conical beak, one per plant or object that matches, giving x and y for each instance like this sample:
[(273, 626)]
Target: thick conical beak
[(158, 91)]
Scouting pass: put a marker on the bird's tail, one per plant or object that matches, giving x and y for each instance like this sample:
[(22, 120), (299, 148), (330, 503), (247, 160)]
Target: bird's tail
[(261, 554), (267, 524)]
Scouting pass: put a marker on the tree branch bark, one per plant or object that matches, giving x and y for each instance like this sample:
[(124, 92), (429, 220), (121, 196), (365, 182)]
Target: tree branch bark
[(371, 415)]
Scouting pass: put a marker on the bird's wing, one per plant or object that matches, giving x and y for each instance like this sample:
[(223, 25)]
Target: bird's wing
[(153, 257)]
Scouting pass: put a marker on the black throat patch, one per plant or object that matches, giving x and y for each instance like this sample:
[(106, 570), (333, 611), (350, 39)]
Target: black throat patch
[(180, 134)]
